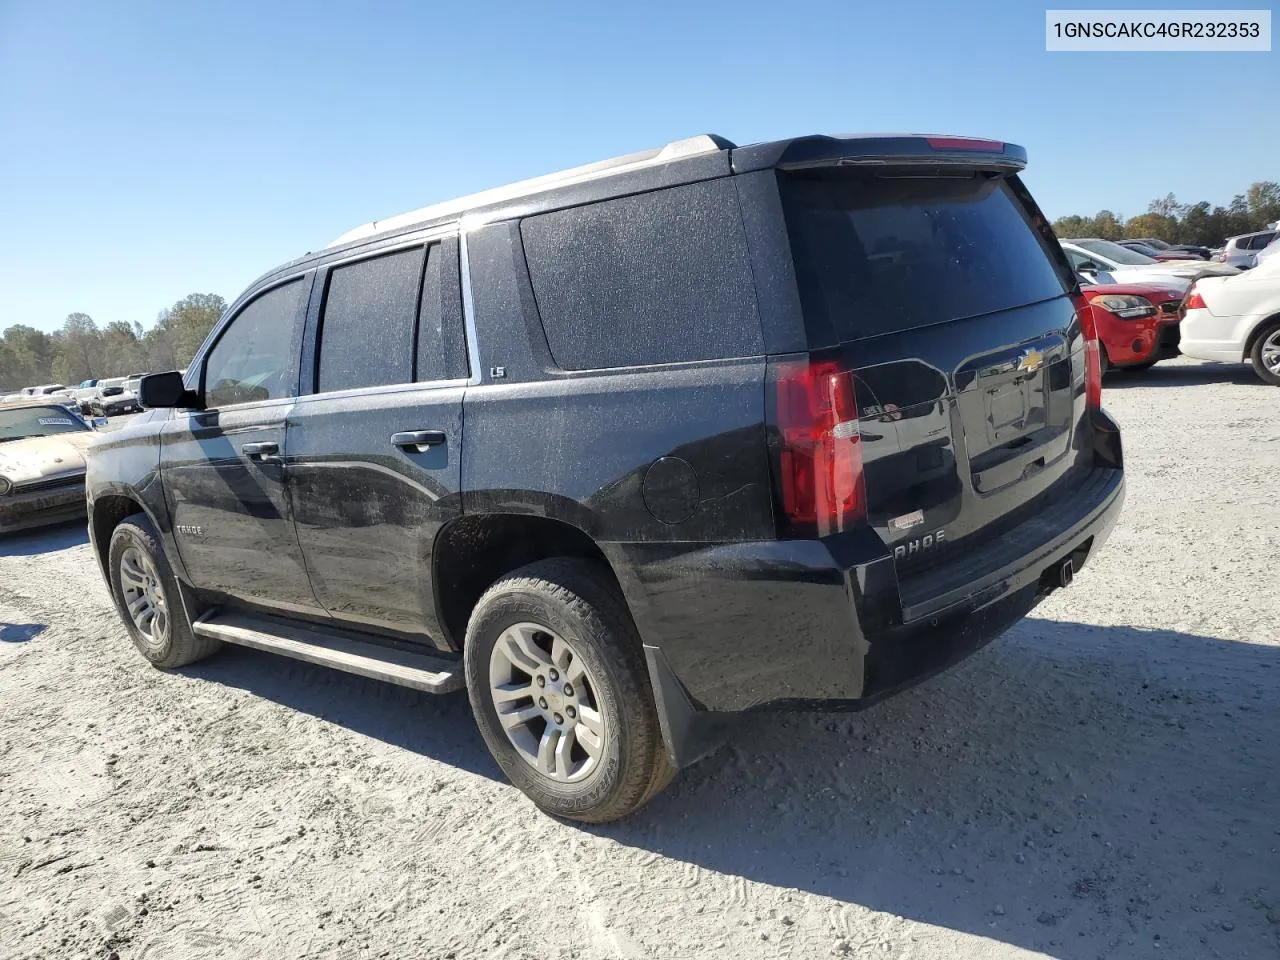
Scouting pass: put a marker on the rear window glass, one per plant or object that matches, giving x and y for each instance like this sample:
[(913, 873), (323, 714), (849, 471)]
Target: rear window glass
[(366, 332), (878, 254), (660, 277)]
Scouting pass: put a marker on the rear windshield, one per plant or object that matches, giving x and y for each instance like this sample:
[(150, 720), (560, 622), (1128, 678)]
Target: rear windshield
[(1114, 252), (877, 254)]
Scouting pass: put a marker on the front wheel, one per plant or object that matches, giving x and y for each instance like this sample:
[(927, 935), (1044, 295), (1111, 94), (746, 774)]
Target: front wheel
[(557, 681), (1265, 355), (146, 595)]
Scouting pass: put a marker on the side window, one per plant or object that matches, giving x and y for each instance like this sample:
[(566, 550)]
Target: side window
[(442, 343), (366, 328), (661, 277), (1075, 258), (1261, 240), (256, 358)]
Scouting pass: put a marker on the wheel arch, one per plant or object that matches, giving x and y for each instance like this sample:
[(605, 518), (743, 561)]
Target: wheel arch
[(108, 510), (1259, 328), (472, 552)]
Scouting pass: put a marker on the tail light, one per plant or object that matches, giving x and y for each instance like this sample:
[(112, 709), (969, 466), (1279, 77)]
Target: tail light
[(1194, 300), (820, 458), (1092, 356)]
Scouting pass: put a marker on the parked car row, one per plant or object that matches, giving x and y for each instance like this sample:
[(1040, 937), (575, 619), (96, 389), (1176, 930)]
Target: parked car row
[(1148, 310), (109, 397)]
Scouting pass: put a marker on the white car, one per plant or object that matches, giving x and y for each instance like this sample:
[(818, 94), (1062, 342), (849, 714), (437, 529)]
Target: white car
[(1112, 263), (1267, 252), (1237, 318)]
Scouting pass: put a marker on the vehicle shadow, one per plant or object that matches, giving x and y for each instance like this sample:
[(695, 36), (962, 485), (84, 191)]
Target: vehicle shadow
[(20, 632), (1076, 790), (1184, 375), (28, 543), (440, 727)]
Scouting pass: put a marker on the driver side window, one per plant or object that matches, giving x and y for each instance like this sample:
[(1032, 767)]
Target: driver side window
[(256, 358)]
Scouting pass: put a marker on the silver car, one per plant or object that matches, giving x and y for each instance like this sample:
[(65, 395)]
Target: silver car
[(1242, 251)]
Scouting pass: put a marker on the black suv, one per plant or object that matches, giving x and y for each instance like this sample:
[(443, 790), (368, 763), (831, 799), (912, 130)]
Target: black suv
[(627, 449)]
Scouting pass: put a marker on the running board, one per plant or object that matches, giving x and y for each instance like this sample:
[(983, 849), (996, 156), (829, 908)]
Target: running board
[(334, 648)]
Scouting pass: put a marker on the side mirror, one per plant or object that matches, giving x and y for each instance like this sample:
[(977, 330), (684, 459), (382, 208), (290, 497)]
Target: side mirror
[(1088, 267), (99, 422), (166, 390)]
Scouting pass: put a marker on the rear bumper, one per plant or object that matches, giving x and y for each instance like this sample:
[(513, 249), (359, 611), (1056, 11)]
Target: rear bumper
[(1210, 336), (826, 623)]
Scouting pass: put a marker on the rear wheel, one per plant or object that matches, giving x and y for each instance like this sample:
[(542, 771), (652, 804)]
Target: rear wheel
[(146, 595), (1265, 355), (557, 681)]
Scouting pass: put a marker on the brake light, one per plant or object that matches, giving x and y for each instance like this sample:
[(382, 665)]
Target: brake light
[(1194, 300), (965, 143), (1092, 355), (822, 484)]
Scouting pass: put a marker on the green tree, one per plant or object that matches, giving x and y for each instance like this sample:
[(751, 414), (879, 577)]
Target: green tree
[(79, 350), (1151, 225), (29, 354), (182, 328), (1263, 200), (1108, 225)]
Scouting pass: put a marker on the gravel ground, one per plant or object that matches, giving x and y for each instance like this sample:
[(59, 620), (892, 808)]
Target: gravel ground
[(1101, 782)]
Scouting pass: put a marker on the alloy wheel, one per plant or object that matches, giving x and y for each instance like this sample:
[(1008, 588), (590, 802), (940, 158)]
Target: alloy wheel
[(547, 702), (1271, 352), (144, 596)]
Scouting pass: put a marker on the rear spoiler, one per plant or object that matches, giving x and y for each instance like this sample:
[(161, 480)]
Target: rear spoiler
[(878, 150)]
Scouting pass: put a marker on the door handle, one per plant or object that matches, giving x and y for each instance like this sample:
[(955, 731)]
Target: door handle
[(418, 438), (262, 450)]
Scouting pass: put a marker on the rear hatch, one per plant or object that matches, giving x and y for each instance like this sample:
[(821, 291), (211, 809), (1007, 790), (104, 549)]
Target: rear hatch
[(943, 293)]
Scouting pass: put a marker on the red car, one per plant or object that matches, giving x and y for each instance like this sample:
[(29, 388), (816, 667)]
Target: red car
[(1137, 322)]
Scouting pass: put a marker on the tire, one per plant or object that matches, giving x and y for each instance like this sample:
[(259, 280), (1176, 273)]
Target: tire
[(1268, 340), (1139, 367), (574, 602), (1104, 361), (133, 558)]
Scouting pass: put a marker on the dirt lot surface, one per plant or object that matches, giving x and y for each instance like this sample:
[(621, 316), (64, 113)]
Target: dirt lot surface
[(1104, 781)]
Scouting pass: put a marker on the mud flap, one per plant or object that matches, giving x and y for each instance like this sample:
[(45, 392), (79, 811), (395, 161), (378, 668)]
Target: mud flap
[(688, 732)]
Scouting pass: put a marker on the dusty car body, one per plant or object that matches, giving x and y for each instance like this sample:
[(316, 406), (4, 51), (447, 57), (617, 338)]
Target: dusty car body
[(42, 463)]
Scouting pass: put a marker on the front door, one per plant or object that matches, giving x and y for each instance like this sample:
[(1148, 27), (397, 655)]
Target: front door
[(223, 466), (375, 442)]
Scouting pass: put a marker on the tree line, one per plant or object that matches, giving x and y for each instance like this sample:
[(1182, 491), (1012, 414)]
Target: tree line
[(1174, 222), (81, 350)]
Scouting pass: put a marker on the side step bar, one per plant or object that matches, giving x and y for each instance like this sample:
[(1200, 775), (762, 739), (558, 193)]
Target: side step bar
[(334, 648)]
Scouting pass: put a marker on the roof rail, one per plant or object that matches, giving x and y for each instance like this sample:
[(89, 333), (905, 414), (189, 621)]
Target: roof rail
[(675, 150)]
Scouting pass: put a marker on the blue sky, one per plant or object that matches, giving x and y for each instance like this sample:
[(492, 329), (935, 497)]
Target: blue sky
[(151, 150)]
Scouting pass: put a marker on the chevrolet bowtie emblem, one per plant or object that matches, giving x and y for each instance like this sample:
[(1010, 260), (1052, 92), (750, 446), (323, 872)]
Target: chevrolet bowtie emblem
[(1031, 361)]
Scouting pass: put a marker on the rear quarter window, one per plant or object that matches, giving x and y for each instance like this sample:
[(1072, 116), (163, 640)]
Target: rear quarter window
[(877, 254), (660, 277)]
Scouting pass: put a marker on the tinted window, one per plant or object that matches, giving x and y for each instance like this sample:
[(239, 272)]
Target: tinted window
[(366, 331), (442, 349), (1260, 241), (256, 358), (657, 278), (874, 255)]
